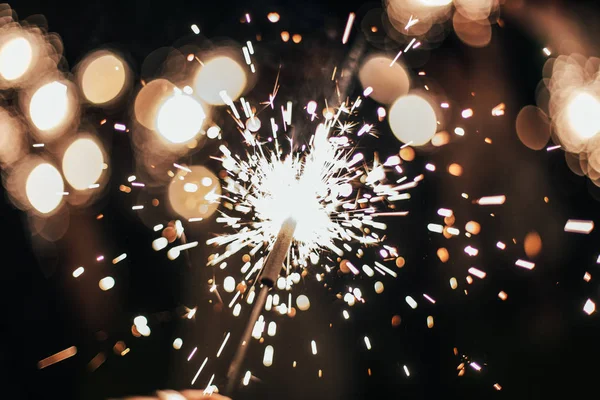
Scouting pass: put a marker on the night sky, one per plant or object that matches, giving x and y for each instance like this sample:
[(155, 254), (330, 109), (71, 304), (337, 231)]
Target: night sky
[(537, 344)]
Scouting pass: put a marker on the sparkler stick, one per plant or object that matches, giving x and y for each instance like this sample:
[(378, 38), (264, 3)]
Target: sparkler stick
[(268, 277)]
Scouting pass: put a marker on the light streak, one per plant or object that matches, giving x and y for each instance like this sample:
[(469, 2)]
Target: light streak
[(199, 370), (351, 18), (223, 344), (491, 200), (579, 226), (58, 357), (525, 264)]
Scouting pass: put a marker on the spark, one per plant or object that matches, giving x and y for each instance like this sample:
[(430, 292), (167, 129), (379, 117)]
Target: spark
[(318, 184), (58, 357), (475, 366), (192, 353), (590, 307), (411, 22), (579, 226), (351, 18), (119, 258), (478, 273), (77, 273), (223, 344), (396, 58), (491, 200), (525, 264), (199, 370)]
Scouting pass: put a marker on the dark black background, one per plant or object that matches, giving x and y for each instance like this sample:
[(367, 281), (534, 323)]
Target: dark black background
[(536, 344)]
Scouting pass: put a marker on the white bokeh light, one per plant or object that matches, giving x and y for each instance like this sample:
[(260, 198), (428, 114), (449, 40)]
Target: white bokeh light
[(49, 106), (15, 58), (179, 118), (44, 188)]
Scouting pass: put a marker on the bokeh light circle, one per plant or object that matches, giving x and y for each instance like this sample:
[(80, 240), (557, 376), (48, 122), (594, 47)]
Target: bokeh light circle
[(219, 74), (44, 188), (83, 163), (49, 106), (149, 99), (388, 79), (195, 194), (533, 127), (412, 120), (16, 56), (179, 118), (103, 78)]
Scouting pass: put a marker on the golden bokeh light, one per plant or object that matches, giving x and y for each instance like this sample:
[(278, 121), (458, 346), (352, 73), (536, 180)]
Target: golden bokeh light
[(220, 74), (273, 17), (12, 144), (407, 153), (533, 127), (474, 33), (532, 244), (149, 99), (455, 169), (412, 120), (49, 107), (473, 227), (103, 77), (388, 79), (44, 188), (83, 163), (179, 118), (475, 9), (202, 197), (16, 57)]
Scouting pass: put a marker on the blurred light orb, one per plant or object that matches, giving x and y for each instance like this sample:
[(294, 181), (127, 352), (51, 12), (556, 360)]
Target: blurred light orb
[(202, 202), (388, 80), (108, 283), (220, 74), (229, 284), (583, 115), (82, 163), (532, 244), (273, 17), (12, 145), (213, 132), (412, 120), (149, 99), (15, 58), (44, 188), (103, 78), (177, 343), (303, 302), (533, 127), (49, 106), (472, 32), (179, 118)]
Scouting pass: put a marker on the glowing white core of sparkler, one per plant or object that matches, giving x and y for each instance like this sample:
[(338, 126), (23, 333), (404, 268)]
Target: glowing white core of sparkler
[(309, 187)]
